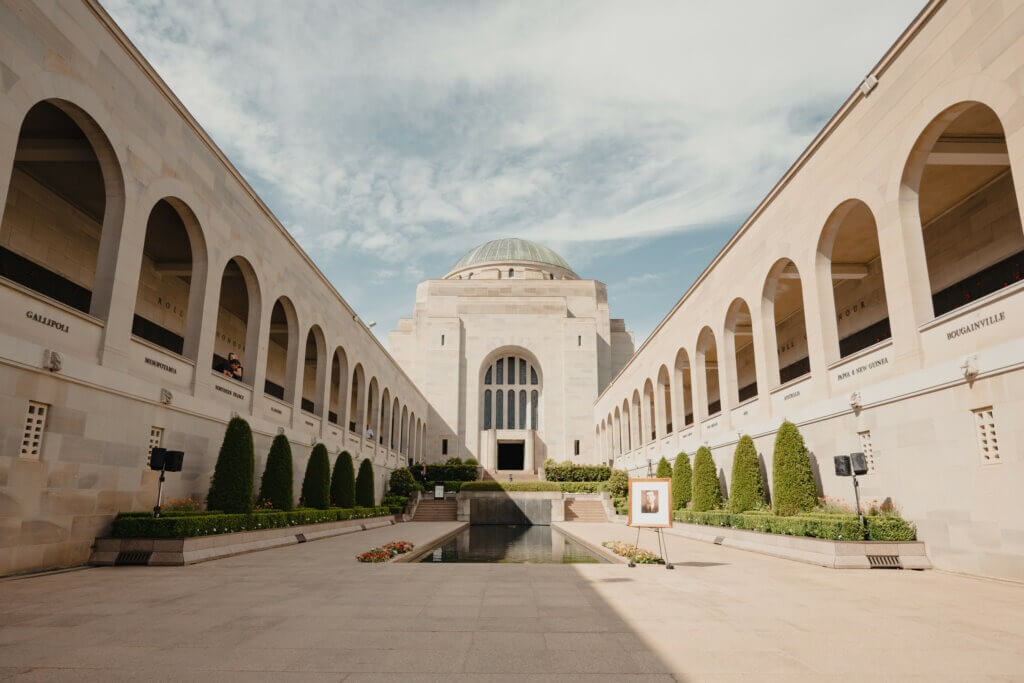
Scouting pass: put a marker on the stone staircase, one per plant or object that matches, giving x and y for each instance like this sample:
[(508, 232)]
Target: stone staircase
[(577, 510), (502, 475), (430, 510)]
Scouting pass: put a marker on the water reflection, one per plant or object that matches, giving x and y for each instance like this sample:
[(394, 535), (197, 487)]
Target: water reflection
[(520, 543)]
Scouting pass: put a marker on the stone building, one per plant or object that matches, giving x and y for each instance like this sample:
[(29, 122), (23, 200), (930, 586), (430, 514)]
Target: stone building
[(875, 298), (511, 348)]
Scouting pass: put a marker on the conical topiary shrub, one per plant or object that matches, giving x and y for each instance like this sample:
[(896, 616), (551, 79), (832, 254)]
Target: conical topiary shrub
[(707, 494), (747, 487), (364, 485), (231, 486), (682, 488), (793, 488), (664, 469), (316, 485), (278, 481), (343, 482)]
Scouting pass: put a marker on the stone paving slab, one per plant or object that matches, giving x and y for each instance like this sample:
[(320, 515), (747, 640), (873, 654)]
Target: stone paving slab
[(312, 613)]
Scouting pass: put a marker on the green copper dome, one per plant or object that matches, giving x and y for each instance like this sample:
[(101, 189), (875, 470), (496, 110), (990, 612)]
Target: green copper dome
[(510, 250)]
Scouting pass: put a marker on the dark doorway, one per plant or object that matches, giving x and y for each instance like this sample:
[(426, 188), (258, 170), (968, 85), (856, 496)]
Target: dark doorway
[(511, 456)]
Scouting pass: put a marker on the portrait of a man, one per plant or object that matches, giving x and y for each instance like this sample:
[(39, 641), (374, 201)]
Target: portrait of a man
[(649, 501)]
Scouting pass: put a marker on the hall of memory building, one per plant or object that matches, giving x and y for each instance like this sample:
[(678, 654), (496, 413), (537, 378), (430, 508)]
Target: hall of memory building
[(875, 298)]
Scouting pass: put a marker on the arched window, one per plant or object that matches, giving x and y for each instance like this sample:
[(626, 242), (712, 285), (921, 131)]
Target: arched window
[(506, 373), (511, 272)]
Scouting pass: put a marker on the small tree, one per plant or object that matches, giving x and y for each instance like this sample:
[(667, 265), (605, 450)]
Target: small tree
[(278, 482), (664, 469), (364, 485), (316, 485), (747, 487), (617, 485), (343, 482), (682, 487), (403, 483), (707, 494), (231, 486), (793, 486)]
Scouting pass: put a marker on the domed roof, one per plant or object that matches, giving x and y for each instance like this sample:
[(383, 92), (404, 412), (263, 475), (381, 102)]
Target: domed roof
[(510, 250)]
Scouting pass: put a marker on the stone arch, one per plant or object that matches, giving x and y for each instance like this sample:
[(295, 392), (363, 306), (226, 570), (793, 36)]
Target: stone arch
[(282, 355), (238, 316), (782, 312), (708, 378), (314, 371), (741, 375)]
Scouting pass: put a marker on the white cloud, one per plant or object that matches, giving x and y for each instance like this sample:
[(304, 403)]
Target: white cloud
[(408, 132)]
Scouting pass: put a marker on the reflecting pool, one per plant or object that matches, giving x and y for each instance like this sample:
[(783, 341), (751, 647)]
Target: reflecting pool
[(516, 543)]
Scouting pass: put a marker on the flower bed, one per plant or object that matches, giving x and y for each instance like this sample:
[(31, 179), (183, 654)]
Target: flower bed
[(186, 525), (385, 552), (637, 554), (836, 527)]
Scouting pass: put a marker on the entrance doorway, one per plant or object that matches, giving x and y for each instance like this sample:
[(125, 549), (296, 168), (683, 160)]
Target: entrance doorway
[(511, 456)]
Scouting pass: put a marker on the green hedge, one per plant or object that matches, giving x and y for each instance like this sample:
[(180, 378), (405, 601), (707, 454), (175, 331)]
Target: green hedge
[(682, 481), (343, 482), (617, 484), (278, 479), (793, 487), (316, 484), (621, 506), (664, 470), (395, 503), (747, 487), (403, 483), (448, 472), (707, 492), (231, 486), (582, 486), (831, 527), (364, 484), (569, 472), (511, 486), (181, 526)]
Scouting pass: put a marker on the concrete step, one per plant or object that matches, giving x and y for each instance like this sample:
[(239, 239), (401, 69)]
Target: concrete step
[(584, 511), (436, 511)]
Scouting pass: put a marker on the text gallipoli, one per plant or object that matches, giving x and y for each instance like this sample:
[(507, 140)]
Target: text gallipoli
[(49, 322)]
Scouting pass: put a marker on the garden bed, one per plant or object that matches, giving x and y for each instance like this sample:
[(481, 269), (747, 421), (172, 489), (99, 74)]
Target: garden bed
[(179, 540)]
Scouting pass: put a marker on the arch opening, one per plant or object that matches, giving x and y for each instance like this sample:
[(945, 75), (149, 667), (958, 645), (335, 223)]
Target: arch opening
[(784, 299), (280, 377), (707, 356), (238, 314), (740, 335)]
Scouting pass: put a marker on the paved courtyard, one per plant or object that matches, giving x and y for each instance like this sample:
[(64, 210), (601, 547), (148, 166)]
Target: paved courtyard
[(311, 613)]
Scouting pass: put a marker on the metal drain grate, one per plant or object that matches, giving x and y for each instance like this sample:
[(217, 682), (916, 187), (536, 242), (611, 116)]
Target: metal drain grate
[(133, 557), (301, 538), (884, 561)]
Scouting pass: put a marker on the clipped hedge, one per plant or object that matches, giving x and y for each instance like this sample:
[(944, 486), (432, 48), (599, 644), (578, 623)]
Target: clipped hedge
[(831, 527), (186, 526), (316, 485), (231, 486), (364, 484), (402, 482), (617, 484), (395, 503), (582, 486), (278, 478), (621, 506), (793, 487), (682, 481), (511, 486), (462, 472), (746, 491), (343, 482), (570, 472), (707, 492)]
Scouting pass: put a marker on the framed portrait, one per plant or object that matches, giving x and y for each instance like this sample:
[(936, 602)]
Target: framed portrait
[(650, 502)]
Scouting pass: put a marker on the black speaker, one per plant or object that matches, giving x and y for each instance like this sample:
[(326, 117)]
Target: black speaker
[(842, 465), (156, 458), (860, 463), (173, 460)]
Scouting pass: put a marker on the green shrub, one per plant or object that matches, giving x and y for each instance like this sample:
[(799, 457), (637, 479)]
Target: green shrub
[(664, 470), (618, 484), (453, 461), (832, 527), (707, 493), (511, 486), (746, 490), (621, 506), (343, 482), (395, 503), (364, 484), (449, 486), (566, 471), (682, 485), (890, 528), (582, 486), (793, 488), (231, 486), (403, 483), (185, 526), (448, 472), (277, 483), (471, 461), (316, 485)]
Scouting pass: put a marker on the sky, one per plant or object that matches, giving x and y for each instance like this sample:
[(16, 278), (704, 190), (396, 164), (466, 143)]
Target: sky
[(392, 137)]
